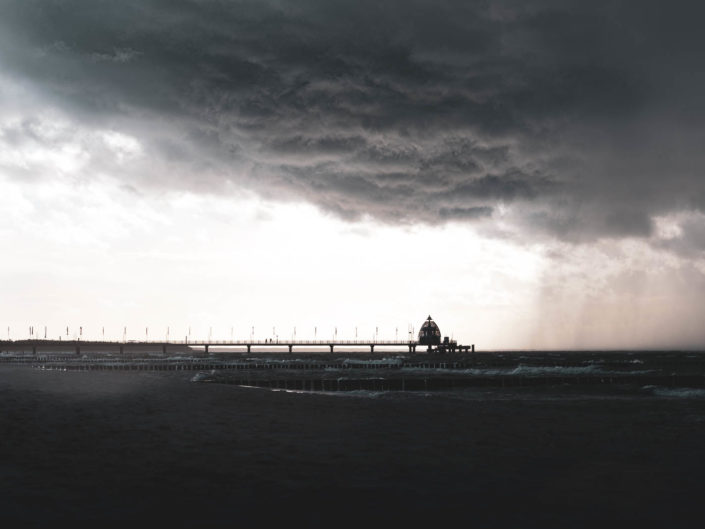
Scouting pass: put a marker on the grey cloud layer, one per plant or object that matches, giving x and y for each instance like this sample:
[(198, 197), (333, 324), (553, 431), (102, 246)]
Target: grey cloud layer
[(585, 118)]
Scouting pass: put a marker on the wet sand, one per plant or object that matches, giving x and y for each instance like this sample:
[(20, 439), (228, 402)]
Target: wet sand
[(110, 448)]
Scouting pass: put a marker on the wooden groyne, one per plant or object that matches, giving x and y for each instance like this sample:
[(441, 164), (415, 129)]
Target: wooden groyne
[(379, 377), (323, 372), (658, 361)]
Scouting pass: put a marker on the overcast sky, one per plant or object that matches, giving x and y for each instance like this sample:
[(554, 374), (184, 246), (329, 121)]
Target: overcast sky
[(530, 173)]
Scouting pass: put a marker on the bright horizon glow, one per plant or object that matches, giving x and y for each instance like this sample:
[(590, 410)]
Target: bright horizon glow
[(96, 255), (100, 257)]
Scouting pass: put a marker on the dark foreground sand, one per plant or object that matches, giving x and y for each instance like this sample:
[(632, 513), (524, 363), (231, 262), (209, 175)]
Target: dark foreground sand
[(110, 449)]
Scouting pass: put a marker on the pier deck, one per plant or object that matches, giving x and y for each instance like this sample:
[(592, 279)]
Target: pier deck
[(37, 345)]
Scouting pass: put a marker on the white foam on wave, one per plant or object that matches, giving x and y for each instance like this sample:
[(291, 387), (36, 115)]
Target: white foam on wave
[(525, 370), (360, 378), (519, 370), (381, 361), (203, 376), (555, 370), (676, 393), (358, 393), (283, 390), (362, 393)]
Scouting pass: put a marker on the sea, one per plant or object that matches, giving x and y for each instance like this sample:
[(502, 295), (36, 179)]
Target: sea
[(492, 439), (500, 374)]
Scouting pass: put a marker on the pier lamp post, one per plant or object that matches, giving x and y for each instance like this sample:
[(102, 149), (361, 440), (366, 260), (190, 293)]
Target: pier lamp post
[(167, 333), (124, 334), (146, 333)]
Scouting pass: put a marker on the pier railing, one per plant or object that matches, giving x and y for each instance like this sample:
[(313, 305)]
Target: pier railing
[(212, 342)]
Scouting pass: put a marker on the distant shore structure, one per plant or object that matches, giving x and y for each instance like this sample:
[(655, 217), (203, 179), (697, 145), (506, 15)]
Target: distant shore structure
[(429, 336)]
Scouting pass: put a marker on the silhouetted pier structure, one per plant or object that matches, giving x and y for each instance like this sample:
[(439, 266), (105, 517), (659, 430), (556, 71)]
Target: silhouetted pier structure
[(38, 345), (429, 336)]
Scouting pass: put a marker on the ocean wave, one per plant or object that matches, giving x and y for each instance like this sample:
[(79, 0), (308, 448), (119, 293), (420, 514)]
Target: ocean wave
[(381, 361), (520, 370), (260, 360), (676, 393), (555, 370), (203, 376), (526, 370), (360, 378), (359, 393)]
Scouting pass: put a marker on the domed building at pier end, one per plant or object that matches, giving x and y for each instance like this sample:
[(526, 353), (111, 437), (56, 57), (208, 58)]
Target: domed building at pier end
[(429, 334)]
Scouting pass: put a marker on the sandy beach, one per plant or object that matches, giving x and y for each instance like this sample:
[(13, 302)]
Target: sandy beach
[(110, 448)]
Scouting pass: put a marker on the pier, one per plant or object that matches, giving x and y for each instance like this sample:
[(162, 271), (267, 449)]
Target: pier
[(429, 336), (40, 345)]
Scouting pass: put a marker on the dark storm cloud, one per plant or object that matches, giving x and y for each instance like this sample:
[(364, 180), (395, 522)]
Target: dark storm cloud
[(585, 117)]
